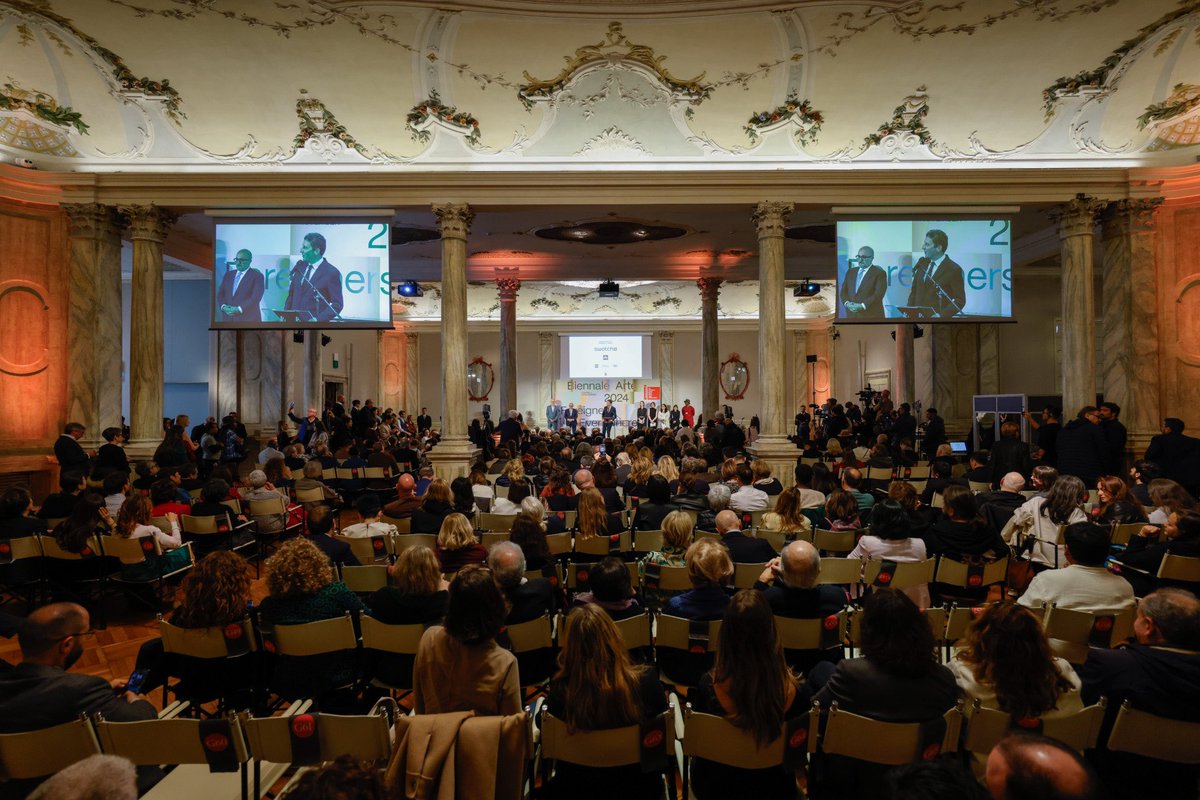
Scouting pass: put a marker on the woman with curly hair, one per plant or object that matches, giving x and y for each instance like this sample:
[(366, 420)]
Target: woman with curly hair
[(1006, 664), (752, 687), (639, 475), (559, 493), (514, 472), (841, 512), (597, 688), (278, 473), (133, 522), (302, 589), (456, 544)]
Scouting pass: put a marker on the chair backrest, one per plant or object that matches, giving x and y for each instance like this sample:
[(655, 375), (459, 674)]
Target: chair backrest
[(233, 504), (162, 523), (310, 495), (693, 636), (408, 540), (667, 579), (958, 619), (879, 473), (311, 638), (890, 743), (635, 631), (129, 551), (22, 548), (648, 541), (918, 485), (987, 726), (365, 737), (1085, 628), (840, 570), (495, 537), (614, 747), (697, 535), (536, 634), (350, 473), (559, 543), (38, 753), (833, 541), (938, 500), (215, 642), (366, 578), (577, 575), (199, 526), (899, 574), (377, 473), (52, 549), (403, 524), (745, 575), (496, 522), (1179, 568), (811, 634), (919, 471), (757, 516), (604, 545), (970, 576), (167, 741), (267, 507), (1152, 736), (1121, 534), (717, 739), (402, 639), (329, 474), (979, 486), (367, 549)]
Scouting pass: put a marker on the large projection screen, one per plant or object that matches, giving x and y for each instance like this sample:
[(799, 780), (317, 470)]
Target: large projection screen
[(934, 270), (625, 355), (298, 274)]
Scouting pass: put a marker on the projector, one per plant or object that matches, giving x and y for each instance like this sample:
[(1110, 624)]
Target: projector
[(409, 289), (807, 289), (609, 289)]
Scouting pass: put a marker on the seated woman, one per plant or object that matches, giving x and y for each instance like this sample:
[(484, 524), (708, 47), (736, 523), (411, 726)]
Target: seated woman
[(788, 516), (677, 537), (667, 468), (655, 506), (637, 484), (1039, 519), (481, 488), (896, 679), (841, 512), (211, 505), (437, 504), (593, 521), (918, 515), (1116, 506), (961, 532), (753, 688), (464, 498), (528, 534), (1145, 553), (1167, 496), (559, 493), (551, 523), (710, 570), (459, 666), (1006, 664), (610, 588), (16, 515), (73, 534), (597, 688), (456, 544), (511, 503), (417, 594), (889, 539), (278, 473), (513, 473), (302, 589), (763, 480), (165, 499), (133, 522)]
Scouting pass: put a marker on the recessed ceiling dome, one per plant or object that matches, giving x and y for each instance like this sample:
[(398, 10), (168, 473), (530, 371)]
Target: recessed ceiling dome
[(611, 232)]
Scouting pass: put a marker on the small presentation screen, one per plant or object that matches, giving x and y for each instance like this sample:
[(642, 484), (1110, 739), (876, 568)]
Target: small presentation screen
[(614, 356), (288, 274), (950, 270)]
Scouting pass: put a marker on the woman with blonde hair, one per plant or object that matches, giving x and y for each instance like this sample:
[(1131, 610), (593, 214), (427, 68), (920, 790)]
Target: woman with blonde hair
[(417, 592), (667, 468), (456, 544), (514, 472), (710, 570), (763, 480), (598, 688), (788, 516), (639, 475), (677, 537)]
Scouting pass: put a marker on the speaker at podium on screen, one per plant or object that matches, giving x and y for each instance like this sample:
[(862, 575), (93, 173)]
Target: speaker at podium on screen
[(287, 315), (917, 312)]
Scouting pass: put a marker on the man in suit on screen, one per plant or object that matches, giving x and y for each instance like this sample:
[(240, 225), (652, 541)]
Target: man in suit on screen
[(241, 290), (864, 287), (316, 284), (937, 279)]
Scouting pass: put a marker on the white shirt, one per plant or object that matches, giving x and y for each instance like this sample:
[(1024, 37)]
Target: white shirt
[(811, 498), (365, 530), (1028, 519), (1078, 588), (747, 498), (168, 541), (872, 548)]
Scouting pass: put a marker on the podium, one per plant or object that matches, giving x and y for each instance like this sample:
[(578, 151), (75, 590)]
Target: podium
[(288, 315), (917, 312)]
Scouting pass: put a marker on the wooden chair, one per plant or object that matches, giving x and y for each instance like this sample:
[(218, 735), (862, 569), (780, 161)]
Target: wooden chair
[(898, 574), (966, 576), (278, 508), (834, 541), (889, 743), (1076, 631), (665, 578), (381, 640), (213, 663), (402, 524), (215, 534), (20, 568), (777, 539), (88, 571), (326, 636), (365, 579), (879, 474), (615, 747), (636, 631), (368, 549), (648, 541), (496, 522), (614, 544), (919, 472), (534, 646), (840, 571), (746, 575), (491, 538), (685, 648), (36, 754), (938, 500), (987, 726), (1179, 569), (718, 740), (1144, 734), (407, 540), (146, 551), (812, 634), (1121, 534), (559, 544)]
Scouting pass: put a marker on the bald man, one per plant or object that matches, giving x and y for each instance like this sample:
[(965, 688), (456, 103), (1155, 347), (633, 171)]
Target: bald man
[(790, 583), (406, 500), (1025, 765), (241, 290), (863, 287), (584, 480), (998, 507), (743, 549)]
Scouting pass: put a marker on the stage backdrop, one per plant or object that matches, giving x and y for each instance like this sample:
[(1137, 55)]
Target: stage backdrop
[(589, 394)]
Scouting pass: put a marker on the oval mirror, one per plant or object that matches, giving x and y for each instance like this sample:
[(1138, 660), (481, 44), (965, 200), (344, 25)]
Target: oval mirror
[(735, 377), (479, 379)]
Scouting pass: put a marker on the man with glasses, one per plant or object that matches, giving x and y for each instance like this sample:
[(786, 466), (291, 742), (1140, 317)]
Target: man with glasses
[(40, 692), (241, 290), (864, 287)]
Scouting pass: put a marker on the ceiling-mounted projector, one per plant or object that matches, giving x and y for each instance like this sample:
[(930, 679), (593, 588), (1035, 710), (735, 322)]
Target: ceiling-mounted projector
[(409, 289), (807, 288), (609, 289)]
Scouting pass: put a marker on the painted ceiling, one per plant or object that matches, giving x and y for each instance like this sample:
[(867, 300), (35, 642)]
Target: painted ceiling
[(159, 85)]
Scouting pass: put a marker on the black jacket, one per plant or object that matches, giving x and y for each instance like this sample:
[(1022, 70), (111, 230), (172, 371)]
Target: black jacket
[(339, 553), (530, 600), (745, 549), (1176, 454), (1010, 455), (1082, 451)]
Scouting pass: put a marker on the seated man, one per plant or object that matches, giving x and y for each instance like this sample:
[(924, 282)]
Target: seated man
[(1025, 765), (1083, 585), (978, 471), (261, 489), (852, 482), (116, 487), (747, 497), (743, 549), (789, 584), (1159, 674), (40, 692), (369, 508), (406, 499), (997, 508), (528, 599), (60, 504), (320, 523), (809, 497)]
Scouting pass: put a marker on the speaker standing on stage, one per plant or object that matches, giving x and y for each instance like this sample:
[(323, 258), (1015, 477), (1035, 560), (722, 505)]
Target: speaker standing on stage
[(608, 417), (316, 284), (241, 290), (937, 279), (864, 286)]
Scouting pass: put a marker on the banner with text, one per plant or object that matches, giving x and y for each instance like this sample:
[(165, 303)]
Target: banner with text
[(590, 394)]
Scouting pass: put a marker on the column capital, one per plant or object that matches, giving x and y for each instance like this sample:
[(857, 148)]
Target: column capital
[(770, 217), (410, 338), (93, 220), (709, 288), (1076, 217), (454, 219), (149, 222), (1129, 216), (666, 336), (508, 284), (546, 337)]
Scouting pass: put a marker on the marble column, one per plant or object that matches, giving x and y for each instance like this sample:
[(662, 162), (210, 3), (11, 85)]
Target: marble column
[(1130, 295), (801, 371), (94, 320), (902, 392), (314, 394), (773, 444), (454, 454), (508, 285), (412, 373), (547, 341), (664, 342), (148, 226), (1076, 222), (710, 358), (227, 372), (989, 358), (820, 344), (287, 375), (391, 370)]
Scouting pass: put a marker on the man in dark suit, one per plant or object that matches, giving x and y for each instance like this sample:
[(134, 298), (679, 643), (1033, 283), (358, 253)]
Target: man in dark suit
[(528, 599), (608, 418), (743, 549), (935, 432), (1177, 455), (1082, 448), (510, 431), (320, 523), (424, 421), (571, 417), (905, 426), (316, 284), (864, 287), (789, 584), (938, 279), (241, 290), (71, 456)]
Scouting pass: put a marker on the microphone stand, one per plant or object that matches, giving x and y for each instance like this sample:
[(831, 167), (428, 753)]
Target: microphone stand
[(317, 292), (929, 277)]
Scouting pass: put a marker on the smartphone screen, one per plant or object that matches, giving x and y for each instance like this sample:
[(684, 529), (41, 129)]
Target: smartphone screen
[(136, 680)]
